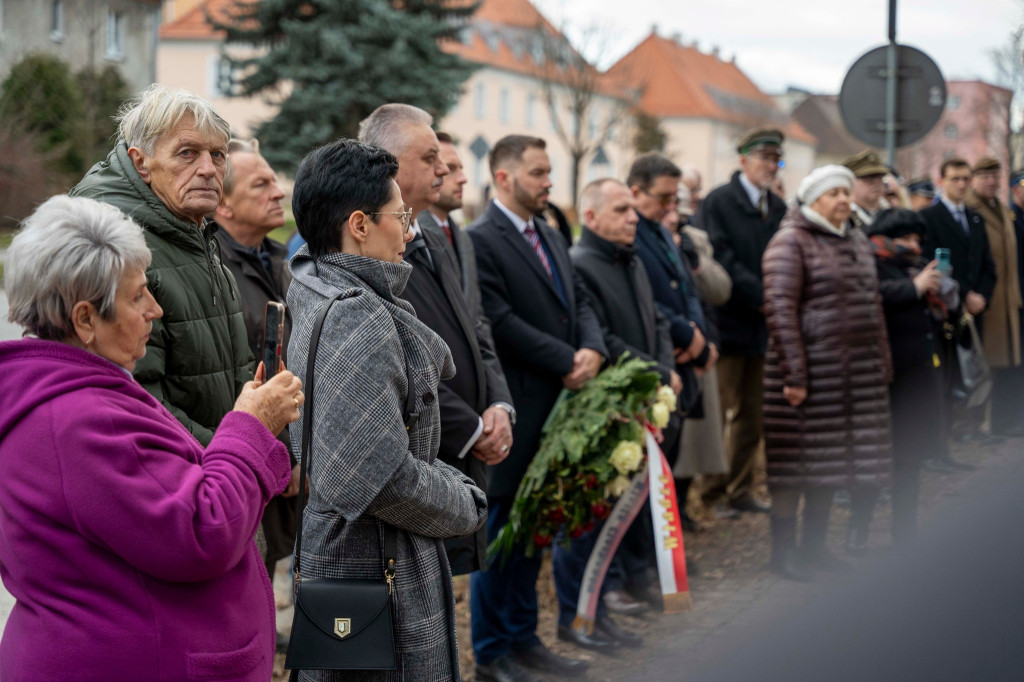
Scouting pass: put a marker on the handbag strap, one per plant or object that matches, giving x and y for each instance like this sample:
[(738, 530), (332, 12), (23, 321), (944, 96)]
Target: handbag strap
[(409, 417)]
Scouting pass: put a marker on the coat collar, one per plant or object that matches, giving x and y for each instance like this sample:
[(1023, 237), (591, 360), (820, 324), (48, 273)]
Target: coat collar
[(619, 255)]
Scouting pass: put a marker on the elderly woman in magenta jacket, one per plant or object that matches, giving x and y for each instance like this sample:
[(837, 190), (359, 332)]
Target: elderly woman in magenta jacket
[(127, 545), (826, 396)]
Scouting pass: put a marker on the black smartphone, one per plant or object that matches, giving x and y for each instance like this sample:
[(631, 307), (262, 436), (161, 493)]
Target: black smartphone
[(273, 338)]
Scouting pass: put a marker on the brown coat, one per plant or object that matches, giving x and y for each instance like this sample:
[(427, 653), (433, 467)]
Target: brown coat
[(826, 332), (1001, 322)]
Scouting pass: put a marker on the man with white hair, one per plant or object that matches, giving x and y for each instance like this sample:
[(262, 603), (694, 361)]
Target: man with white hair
[(476, 406), (166, 172)]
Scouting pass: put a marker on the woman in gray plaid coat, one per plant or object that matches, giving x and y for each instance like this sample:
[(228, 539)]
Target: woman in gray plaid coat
[(365, 467)]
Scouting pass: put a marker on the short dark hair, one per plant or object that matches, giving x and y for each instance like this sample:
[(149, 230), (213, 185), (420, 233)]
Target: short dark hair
[(333, 182), (444, 137), (953, 162), (511, 148), (648, 167)]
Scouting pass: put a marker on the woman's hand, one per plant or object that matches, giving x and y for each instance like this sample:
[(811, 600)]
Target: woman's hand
[(794, 394), (276, 402), (929, 279)]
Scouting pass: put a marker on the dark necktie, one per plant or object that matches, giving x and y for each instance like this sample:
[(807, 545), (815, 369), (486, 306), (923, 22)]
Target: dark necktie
[(962, 219), (447, 232), (531, 236), (762, 204)]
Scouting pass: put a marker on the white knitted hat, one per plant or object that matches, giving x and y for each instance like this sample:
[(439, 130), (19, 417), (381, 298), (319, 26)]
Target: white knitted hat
[(823, 179)]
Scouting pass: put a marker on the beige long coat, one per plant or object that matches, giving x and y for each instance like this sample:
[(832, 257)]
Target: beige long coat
[(1002, 319)]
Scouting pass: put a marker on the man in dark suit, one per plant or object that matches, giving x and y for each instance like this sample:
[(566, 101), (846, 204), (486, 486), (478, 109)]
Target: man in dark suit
[(740, 218), (476, 410), (951, 224), (548, 338)]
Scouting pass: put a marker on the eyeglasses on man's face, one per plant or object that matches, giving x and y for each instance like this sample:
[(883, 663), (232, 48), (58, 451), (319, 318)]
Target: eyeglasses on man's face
[(665, 199), (406, 217)]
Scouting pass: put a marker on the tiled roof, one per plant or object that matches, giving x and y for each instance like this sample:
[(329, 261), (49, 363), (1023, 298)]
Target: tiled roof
[(193, 24), (682, 81)]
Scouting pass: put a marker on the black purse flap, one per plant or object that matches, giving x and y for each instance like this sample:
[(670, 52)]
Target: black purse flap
[(342, 608)]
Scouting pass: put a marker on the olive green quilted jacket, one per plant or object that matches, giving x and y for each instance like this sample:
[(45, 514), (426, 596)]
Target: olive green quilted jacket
[(198, 357)]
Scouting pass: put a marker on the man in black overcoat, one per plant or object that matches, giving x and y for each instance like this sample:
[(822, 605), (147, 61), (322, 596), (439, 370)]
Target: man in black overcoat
[(548, 338), (476, 409)]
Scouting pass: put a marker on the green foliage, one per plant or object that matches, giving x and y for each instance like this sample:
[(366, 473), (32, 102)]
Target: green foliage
[(649, 135), (103, 93), (41, 94), (570, 471), (341, 60)]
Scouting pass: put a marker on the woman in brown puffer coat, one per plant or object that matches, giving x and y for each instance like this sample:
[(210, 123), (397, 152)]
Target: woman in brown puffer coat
[(826, 399)]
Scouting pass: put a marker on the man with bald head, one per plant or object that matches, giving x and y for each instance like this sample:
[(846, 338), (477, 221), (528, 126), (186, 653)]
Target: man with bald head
[(476, 407)]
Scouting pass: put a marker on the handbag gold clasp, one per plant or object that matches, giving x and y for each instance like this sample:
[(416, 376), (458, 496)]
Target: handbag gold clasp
[(389, 574)]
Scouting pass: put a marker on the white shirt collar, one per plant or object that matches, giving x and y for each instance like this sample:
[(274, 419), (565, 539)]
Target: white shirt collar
[(441, 222), (753, 191), (415, 228), (953, 208), (519, 223)]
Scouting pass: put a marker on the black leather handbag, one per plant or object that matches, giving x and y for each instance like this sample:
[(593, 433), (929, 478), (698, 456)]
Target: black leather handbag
[(341, 623)]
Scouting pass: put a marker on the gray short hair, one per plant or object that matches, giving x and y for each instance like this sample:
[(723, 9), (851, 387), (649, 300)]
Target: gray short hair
[(70, 249), (237, 146), (593, 196), (388, 126), (157, 109)]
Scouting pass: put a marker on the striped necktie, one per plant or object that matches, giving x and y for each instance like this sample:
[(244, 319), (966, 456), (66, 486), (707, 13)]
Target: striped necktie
[(531, 236)]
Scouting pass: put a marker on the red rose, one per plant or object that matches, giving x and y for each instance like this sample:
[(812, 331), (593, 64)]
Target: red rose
[(541, 540), (557, 515), (588, 526), (600, 510), (576, 532), (591, 482)]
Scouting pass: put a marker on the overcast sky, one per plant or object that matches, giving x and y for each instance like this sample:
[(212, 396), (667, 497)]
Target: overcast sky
[(805, 43)]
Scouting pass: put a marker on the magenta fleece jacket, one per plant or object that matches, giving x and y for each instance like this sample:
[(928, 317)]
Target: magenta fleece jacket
[(128, 547)]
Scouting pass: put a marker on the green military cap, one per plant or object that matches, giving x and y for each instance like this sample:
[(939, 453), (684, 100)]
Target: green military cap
[(866, 164), (760, 137), (986, 163)]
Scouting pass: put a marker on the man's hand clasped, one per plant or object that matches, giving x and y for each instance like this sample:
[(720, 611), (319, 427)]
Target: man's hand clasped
[(495, 441), (586, 364)]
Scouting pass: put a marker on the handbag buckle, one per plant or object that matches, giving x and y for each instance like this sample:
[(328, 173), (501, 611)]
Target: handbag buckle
[(389, 573)]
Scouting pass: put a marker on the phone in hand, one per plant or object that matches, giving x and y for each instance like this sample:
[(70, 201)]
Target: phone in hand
[(942, 263), (273, 338)]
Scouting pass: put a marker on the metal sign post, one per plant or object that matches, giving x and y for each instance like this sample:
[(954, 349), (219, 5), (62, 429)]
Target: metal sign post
[(892, 61)]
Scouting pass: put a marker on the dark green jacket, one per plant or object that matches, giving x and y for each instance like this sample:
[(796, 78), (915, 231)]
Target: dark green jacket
[(198, 357)]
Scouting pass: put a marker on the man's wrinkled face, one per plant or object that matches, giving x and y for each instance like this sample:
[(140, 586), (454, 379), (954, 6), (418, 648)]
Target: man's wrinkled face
[(186, 170), (615, 218), (451, 187), (255, 198), (420, 168), (985, 183), (655, 201), (531, 180), (762, 165), (955, 183)]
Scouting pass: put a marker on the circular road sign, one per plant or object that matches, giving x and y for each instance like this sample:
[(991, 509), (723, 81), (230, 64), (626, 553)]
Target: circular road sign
[(920, 96)]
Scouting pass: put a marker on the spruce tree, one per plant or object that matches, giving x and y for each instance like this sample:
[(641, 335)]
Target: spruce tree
[(331, 62)]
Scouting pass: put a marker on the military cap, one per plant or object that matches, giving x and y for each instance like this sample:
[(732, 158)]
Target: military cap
[(1017, 178), (922, 187), (759, 137), (986, 163), (866, 164)]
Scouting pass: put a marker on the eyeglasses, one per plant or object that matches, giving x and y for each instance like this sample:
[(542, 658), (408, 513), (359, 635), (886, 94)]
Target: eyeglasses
[(663, 199), (405, 215)]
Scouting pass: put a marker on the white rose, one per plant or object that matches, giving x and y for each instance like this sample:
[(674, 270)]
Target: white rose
[(667, 398), (626, 457), (660, 415), (617, 486)]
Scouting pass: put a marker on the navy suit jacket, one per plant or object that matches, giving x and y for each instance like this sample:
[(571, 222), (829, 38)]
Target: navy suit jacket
[(971, 258), (536, 333)]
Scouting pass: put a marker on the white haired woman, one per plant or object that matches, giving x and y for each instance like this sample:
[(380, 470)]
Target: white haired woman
[(127, 544), (826, 396)]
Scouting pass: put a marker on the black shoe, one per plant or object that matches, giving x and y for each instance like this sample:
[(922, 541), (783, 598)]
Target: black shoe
[(504, 669), (692, 569), (789, 566), (623, 603), (824, 560), (608, 628), (938, 466), (281, 643), (956, 464), (856, 542), (724, 512), (688, 523), (596, 641), (749, 504), (541, 658), (650, 594)]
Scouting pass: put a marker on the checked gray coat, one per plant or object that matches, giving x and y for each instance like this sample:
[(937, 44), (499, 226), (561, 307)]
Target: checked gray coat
[(365, 467)]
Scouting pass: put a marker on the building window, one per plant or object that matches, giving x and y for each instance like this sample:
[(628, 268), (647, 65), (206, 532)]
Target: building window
[(219, 78), (115, 35), (57, 21), (950, 132), (953, 103), (503, 105), (479, 101), (531, 104)]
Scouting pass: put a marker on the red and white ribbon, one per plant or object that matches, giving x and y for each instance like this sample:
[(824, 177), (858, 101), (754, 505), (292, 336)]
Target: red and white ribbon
[(668, 533)]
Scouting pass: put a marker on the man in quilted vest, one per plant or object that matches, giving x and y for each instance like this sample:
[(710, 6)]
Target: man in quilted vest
[(166, 172)]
